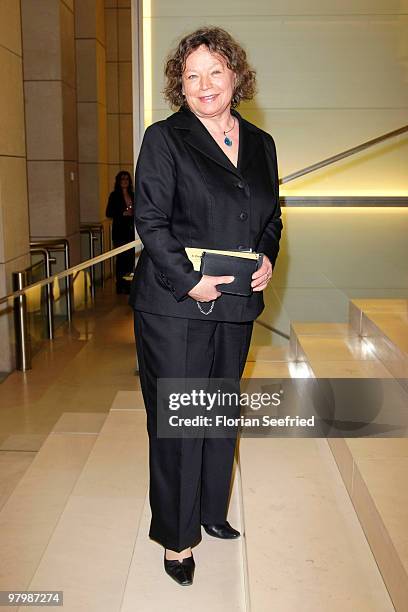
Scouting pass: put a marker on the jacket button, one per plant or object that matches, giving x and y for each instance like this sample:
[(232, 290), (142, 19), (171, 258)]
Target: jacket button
[(243, 216), (240, 185)]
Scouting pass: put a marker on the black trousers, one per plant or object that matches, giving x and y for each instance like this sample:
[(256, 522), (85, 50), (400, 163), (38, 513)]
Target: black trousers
[(189, 477)]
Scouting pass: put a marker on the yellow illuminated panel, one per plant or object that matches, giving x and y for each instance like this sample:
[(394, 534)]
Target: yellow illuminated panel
[(345, 210), (376, 172), (337, 192)]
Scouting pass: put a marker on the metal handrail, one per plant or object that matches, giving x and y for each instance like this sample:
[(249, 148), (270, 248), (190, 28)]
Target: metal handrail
[(58, 244), (48, 288), (95, 230), (343, 155), (81, 266), (23, 352), (91, 239)]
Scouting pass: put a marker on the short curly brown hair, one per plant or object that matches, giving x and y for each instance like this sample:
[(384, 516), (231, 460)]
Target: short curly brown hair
[(218, 41)]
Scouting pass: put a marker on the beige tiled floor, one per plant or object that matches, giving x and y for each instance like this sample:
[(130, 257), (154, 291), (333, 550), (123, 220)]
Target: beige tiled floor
[(13, 465), (71, 375)]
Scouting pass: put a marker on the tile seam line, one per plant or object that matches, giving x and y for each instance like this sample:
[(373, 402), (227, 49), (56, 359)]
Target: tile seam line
[(91, 38), (20, 56)]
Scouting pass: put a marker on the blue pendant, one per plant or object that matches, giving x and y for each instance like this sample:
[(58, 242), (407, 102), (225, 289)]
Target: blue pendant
[(228, 142)]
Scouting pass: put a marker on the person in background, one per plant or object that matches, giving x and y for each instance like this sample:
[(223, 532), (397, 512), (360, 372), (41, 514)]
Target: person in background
[(120, 210)]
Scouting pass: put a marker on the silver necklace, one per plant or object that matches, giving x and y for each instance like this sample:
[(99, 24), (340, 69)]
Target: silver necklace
[(227, 140)]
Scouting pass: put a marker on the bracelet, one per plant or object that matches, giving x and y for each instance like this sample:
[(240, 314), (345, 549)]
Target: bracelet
[(203, 311)]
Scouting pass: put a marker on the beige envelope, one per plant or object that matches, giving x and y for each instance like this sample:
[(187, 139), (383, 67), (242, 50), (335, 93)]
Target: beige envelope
[(194, 255)]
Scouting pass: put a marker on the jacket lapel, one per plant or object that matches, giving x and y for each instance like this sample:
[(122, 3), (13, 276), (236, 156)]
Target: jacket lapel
[(198, 137)]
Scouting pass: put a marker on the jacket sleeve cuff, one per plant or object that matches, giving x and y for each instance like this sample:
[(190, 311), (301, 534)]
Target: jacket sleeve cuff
[(270, 252), (180, 292)]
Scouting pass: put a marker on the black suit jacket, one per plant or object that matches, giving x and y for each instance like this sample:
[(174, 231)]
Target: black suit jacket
[(188, 193)]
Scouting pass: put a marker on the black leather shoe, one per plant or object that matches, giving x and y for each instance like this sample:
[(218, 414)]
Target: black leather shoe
[(223, 530), (181, 571)]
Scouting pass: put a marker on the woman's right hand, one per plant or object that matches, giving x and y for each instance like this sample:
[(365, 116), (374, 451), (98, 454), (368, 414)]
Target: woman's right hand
[(205, 290)]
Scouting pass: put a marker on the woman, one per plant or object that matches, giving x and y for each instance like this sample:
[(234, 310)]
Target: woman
[(120, 210), (205, 177)]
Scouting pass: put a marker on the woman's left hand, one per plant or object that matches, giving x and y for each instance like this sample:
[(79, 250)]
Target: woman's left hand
[(261, 277)]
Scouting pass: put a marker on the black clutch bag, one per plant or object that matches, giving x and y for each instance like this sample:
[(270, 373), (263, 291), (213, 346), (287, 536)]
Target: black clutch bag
[(241, 268)]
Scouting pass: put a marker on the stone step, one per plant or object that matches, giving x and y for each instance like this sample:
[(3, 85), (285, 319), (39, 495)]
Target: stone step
[(90, 549), (274, 362), (335, 350), (384, 326), (375, 474), (31, 513), (305, 547)]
